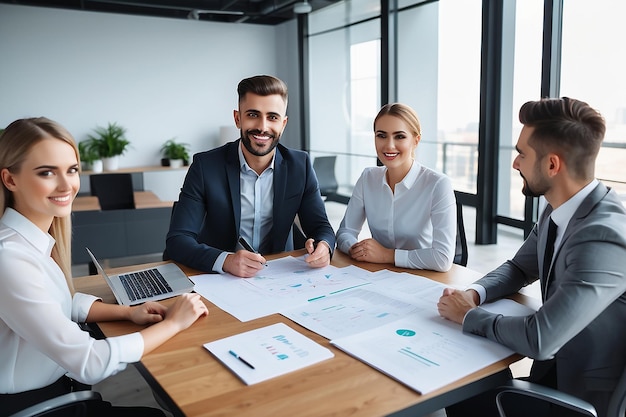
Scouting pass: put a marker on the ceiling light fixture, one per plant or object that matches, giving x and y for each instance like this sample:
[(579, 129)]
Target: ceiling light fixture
[(302, 7)]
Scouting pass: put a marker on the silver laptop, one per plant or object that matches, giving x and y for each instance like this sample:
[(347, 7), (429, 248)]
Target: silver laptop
[(151, 284)]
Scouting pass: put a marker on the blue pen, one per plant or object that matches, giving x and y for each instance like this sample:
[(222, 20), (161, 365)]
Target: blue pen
[(241, 359)]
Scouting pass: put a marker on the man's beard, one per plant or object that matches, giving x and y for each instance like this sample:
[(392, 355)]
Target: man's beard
[(536, 191), (247, 142)]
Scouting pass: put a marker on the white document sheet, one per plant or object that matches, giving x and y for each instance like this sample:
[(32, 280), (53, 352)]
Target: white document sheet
[(348, 312), (285, 283), (424, 351), (267, 352)]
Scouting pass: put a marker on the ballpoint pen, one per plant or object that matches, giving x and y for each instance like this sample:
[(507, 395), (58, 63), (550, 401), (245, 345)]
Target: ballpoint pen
[(241, 359), (248, 247)]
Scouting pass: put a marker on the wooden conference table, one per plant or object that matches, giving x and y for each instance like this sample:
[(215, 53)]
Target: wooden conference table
[(143, 199), (193, 383)]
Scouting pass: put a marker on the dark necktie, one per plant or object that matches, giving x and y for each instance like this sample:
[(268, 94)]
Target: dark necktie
[(547, 257)]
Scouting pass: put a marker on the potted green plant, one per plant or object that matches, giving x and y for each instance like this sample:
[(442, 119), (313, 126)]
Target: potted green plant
[(176, 154), (89, 156), (110, 143)]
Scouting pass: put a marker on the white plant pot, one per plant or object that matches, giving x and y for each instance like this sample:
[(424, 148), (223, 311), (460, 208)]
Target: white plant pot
[(96, 166), (112, 163), (176, 163)]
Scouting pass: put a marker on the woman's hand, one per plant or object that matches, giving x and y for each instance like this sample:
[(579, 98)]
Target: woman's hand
[(147, 313), (369, 250), (186, 310)]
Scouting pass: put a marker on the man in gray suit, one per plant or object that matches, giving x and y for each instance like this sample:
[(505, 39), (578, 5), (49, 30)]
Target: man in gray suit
[(577, 337)]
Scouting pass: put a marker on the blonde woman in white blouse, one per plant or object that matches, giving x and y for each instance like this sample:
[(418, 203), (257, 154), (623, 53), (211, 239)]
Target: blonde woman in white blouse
[(43, 349), (410, 209)]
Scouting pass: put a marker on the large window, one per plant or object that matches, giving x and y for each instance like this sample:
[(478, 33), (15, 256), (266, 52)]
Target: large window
[(458, 104), (593, 69), (344, 47), (521, 82), (438, 74)]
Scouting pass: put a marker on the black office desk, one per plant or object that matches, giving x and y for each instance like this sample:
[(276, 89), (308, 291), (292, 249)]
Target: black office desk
[(119, 233)]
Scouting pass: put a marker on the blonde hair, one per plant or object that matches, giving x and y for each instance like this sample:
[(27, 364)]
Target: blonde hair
[(15, 142), (403, 112)]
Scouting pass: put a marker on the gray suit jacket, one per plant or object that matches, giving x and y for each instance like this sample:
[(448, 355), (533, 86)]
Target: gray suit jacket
[(580, 326)]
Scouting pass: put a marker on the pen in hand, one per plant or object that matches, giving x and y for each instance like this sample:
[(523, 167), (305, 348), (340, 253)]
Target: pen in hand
[(241, 359), (248, 247)]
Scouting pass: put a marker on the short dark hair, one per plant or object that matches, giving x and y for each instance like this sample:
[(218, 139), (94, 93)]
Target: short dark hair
[(262, 85), (568, 127)]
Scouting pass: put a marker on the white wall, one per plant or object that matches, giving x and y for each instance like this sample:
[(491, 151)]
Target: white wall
[(160, 78)]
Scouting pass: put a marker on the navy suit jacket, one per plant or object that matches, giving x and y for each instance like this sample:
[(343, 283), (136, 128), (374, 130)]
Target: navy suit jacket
[(580, 326), (205, 220)]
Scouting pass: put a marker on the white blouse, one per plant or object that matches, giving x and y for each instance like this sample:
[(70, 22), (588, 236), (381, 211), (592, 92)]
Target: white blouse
[(39, 338), (418, 220)]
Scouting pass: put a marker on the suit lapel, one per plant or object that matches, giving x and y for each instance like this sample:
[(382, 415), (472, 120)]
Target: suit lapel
[(234, 185), (580, 214)]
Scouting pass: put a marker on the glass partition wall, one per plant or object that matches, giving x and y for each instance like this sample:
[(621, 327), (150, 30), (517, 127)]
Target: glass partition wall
[(442, 61)]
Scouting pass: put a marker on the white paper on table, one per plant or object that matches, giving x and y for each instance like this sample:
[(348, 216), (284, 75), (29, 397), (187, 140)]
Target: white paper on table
[(285, 283), (423, 351), (272, 350)]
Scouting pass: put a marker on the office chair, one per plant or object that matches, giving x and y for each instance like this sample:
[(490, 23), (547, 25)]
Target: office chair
[(324, 167), (460, 252), (616, 408), (70, 404), (114, 191)]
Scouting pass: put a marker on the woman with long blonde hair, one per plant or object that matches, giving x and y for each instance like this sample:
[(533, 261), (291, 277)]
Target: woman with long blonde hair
[(43, 349)]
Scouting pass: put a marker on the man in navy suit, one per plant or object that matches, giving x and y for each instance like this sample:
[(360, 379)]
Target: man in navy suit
[(576, 337), (252, 188)]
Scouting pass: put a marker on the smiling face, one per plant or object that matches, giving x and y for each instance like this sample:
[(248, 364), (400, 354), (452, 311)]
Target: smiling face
[(395, 144), (45, 184), (261, 120)]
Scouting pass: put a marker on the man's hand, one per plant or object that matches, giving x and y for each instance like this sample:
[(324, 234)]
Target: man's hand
[(454, 304), (243, 263), (319, 256)]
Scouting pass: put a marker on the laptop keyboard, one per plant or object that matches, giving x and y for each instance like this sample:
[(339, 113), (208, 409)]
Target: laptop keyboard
[(144, 284)]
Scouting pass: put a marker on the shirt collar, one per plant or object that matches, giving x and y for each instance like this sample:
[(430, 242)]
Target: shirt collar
[(562, 215), (410, 177), (41, 241), (243, 165)]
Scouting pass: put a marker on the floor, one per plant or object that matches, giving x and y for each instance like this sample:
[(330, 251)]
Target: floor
[(129, 388)]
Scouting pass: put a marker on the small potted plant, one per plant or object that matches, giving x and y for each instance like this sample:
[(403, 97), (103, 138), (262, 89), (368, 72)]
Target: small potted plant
[(89, 156), (175, 154), (110, 143)]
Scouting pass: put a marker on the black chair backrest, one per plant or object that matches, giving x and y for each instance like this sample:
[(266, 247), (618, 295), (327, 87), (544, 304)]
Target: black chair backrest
[(460, 253), (114, 191), (70, 404), (324, 167), (617, 405)]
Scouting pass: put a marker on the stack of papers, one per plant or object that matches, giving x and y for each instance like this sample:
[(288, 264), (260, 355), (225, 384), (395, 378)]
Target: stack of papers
[(387, 319)]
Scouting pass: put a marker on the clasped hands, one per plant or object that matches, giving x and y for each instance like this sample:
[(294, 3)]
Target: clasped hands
[(454, 304), (187, 308), (369, 250)]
